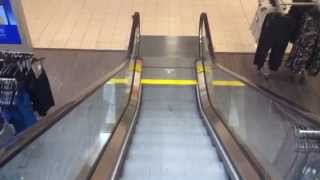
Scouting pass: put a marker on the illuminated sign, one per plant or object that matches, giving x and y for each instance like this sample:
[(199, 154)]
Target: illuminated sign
[(9, 33)]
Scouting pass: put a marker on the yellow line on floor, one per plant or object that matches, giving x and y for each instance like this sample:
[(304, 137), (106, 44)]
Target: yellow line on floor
[(176, 82), (118, 81), (228, 83)]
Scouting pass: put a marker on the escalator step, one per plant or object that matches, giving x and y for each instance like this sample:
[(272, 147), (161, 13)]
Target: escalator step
[(174, 130), (168, 170), (170, 114), (172, 139), (170, 121)]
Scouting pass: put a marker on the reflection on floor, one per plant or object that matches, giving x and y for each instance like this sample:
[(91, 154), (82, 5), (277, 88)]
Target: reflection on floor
[(105, 24), (71, 71), (305, 94), (264, 126)]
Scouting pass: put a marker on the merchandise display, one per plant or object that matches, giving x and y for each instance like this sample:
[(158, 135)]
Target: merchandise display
[(301, 27), (21, 91)]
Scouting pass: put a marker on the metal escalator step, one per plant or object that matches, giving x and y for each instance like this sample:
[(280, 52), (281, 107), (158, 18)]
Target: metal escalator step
[(204, 155), (147, 169), (163, 118), (174, 130), (176, 104), (169, 114), (172, 139), (182, 146), (187, 123), (178, 177)]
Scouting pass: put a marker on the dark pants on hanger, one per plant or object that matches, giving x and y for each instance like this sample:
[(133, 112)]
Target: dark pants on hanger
[(276, 32)]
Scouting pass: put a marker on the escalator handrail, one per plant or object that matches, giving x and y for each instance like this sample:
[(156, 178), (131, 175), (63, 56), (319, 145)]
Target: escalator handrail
[(278, 99), (204, 23), (135, 54), (133, 39), (21, 141), (204, 26), (312, 117)]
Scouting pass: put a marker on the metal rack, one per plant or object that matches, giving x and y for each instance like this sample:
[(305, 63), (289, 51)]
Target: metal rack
[(279, 4), (307, 139)]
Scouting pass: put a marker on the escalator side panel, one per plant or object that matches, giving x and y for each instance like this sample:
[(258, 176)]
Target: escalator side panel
[(238, 158), (57, 154), (109, 162)]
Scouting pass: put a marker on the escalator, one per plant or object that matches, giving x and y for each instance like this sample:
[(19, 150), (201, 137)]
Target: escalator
[(169, 135), (199, 121), (175, 114), (170, 140)]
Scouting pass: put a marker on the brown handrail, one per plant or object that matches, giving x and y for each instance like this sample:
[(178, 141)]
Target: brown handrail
[(134, 40), (204, 23), (21, 141)]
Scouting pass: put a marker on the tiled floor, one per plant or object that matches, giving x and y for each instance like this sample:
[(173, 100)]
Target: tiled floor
[(105, 24)]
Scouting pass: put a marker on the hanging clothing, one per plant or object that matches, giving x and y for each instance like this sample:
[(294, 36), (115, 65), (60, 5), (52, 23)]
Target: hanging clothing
[(263, 10), (40, 92), (304, 46), (298, 13), (23, 89), (21, 115), (7, 131), (276, 32), (313, 66)]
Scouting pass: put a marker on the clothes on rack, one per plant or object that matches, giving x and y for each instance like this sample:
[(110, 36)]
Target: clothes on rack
[(298, 13), (305, 45), (256, 26), (276, 32), (313, 66), (40, 92), (22, 91), (21, 115), (7, 131)]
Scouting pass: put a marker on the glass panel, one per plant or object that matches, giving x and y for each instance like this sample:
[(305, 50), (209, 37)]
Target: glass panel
[(72, 145), (264, 127)]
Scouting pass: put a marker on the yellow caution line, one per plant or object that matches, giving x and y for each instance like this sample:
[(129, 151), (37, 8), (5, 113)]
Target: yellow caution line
[(118, 81), (169, 82), (228, 83), (177, 82)]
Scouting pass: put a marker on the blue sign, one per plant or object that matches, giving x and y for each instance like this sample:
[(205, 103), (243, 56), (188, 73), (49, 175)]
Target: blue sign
[(9, 33)]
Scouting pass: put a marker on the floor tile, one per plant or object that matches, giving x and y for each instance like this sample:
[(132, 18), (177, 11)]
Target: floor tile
[(99, 24)]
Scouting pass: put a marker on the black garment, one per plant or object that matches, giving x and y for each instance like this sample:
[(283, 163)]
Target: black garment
[(298, 13), (313, 66), (304, 47), (40, 92), (275, 35)]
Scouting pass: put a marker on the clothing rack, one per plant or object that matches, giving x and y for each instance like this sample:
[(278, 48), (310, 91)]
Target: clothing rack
[(24, 89), (299, 4), (9, 85), (312, 3), (279, 4)]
